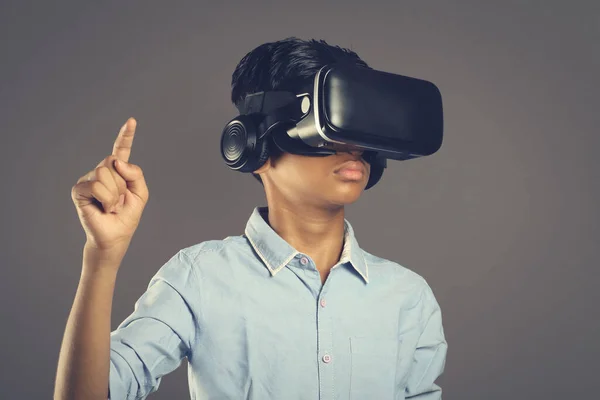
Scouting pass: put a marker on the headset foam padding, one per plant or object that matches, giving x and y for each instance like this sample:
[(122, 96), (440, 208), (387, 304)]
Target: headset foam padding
[(256, 157), (263, 153)]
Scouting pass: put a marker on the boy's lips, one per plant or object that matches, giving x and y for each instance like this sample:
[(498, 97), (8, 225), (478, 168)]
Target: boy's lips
[(351, 165)]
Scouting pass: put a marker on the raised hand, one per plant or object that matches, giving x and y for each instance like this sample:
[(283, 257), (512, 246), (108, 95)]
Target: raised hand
[(110, 199)]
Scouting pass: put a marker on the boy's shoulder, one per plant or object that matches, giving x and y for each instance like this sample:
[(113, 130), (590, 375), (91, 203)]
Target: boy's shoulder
[(393, 268), (204, 248)]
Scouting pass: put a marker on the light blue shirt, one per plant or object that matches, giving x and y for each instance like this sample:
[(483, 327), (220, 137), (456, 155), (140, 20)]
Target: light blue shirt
[(255, 322)]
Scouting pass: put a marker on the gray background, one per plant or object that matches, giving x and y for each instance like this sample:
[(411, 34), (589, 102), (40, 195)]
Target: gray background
[(502, 221)]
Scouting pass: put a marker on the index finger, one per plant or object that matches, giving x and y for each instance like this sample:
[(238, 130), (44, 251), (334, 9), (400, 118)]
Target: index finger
[(122, 146)]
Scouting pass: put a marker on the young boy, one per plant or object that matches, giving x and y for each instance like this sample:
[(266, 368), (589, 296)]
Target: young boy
[(291, 309)]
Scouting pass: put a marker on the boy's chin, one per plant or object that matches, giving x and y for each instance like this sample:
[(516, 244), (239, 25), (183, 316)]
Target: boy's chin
[(345, 196)]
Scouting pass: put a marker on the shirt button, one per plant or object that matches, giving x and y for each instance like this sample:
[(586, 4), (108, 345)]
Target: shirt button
[(323, 303), (326, 358), (303, 260)]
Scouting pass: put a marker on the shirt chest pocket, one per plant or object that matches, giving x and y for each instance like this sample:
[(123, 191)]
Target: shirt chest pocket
[(373, 367)]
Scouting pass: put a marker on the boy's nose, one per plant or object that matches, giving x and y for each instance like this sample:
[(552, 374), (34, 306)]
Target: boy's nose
[(347, 149)]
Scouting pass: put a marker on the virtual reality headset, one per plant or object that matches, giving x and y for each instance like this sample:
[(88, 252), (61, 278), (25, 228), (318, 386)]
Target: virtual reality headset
[(386, 115)]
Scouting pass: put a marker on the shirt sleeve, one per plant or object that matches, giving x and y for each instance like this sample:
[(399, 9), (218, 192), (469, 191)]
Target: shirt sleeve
[(430, 355), (153, 340)]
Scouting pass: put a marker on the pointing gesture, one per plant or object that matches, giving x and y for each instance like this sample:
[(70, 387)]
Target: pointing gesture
[(122, 146), (110, 199)]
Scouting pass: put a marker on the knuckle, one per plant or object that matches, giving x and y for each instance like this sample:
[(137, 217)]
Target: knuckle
[(99, 174), (104, 174)]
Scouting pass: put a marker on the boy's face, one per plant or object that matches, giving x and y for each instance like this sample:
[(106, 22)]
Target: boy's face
[(305, 180)]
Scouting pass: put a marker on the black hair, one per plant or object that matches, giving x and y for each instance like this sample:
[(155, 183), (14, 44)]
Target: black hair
[(287, 64)]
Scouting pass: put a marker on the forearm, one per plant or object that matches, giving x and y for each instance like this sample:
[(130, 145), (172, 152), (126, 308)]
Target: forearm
[(84, 360)]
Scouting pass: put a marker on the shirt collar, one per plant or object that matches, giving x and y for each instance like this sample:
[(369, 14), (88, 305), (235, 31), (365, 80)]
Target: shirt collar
[(276, 253)]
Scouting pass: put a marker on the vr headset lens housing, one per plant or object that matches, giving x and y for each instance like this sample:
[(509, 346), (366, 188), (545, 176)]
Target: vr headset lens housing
[(397, 116)]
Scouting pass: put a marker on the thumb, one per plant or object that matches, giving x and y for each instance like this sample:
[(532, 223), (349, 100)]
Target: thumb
[(134, 177)]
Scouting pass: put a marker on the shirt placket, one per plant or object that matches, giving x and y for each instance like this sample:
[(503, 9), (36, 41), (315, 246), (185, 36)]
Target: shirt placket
[(325, 357)]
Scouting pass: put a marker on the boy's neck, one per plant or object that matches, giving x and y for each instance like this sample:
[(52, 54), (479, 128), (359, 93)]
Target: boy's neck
[(316, 233)]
